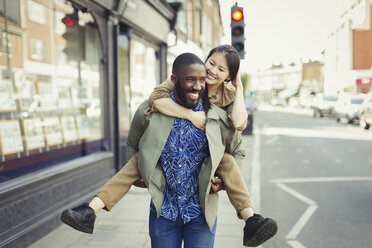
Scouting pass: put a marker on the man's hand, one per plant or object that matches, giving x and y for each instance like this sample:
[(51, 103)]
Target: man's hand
[(140, 183), (216, 185)]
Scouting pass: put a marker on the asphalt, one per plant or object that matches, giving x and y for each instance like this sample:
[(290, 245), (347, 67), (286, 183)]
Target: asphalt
[(126, 226)]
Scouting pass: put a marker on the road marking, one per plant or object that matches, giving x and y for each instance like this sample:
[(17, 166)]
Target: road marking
[(305, 161), (256, 173), (255, 187), (295, 244), (370, 160), (338, 161), (296, 229), (319, 179), (296, 194)]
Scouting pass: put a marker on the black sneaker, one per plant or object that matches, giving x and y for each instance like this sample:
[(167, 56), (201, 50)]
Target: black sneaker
[(257, 230), (80, 218)]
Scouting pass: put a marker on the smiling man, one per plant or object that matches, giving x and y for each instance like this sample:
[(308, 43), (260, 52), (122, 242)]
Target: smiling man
[(177, 161)]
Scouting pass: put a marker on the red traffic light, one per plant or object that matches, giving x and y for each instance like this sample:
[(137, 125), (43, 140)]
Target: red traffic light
[(237, 15), (69, 22)]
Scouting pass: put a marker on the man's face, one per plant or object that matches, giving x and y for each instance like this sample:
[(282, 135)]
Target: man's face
[(190, 84)]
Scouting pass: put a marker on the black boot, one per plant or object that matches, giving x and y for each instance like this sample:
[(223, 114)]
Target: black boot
[(257, 230), (80, 218)]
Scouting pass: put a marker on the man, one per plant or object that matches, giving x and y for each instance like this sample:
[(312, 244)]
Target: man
[(177, 161)]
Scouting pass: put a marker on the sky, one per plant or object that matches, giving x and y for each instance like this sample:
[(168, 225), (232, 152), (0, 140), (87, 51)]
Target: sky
[(284, 31)]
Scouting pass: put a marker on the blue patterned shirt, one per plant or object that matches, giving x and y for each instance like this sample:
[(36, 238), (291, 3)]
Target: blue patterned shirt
[(181, 159)]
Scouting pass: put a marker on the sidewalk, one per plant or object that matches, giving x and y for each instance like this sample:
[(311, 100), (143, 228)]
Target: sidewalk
[(126, 226)]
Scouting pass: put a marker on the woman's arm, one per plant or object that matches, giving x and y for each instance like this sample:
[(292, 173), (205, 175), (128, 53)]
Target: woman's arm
[(161, 102), (238, 113), (161, 91), (168, 107)]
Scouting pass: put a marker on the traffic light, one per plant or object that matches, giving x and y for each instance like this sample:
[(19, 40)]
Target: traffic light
[(75, 38), (237, 29)]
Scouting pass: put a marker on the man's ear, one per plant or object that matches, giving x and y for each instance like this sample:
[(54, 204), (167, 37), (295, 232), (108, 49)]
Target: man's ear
[(173, 78)]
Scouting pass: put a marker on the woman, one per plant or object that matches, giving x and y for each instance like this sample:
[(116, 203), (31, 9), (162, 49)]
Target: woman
[(226, 91)]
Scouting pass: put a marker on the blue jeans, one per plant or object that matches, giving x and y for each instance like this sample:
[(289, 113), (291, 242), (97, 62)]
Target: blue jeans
[(169, 234)]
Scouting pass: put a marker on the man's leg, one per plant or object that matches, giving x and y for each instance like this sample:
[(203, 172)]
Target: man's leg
[(164, 233), (198, 235)]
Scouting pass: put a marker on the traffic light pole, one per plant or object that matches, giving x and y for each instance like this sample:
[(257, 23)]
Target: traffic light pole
[(237, 29)]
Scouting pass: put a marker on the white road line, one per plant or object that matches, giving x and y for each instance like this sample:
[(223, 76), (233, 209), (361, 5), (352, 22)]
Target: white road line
[(370, 160), (256, 173), (295, 244), (296, 194), (296, 229), (319, 179)]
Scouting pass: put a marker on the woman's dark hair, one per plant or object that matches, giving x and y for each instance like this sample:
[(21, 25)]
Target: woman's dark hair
[(232, 58)]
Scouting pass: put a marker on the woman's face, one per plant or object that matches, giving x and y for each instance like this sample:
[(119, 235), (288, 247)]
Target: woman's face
[(217, 69)]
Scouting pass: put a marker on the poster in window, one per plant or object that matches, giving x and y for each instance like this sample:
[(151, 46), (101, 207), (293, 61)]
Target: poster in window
[(7, 99), (34, 135), (83, 126), (48, 99), (69, 128), (26, 92), (64, 97), (11, 137), (53, 131), (79, 96)]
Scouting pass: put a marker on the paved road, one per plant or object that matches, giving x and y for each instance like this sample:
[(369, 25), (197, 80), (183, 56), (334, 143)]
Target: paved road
[(315, 179)]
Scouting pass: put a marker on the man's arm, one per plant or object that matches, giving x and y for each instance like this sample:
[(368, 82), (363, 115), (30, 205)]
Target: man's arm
[(137, 128)]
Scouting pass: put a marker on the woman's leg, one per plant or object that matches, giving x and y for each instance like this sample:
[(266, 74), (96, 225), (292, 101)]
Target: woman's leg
[(117, 186), (235, 186)]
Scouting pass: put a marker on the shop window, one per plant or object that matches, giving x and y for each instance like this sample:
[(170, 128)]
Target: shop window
[(144, 72), (51, 109)]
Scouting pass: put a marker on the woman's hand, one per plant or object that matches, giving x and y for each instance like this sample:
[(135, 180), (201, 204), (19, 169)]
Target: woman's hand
[(216, 185), (238, 80), (198, 119)]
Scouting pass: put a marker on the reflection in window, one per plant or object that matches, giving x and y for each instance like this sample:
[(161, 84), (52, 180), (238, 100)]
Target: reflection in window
[(50, 94), (36, 12), (143, 72), (38, 50)]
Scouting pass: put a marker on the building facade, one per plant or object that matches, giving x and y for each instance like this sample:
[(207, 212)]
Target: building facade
[(71, 75), (347, 58)]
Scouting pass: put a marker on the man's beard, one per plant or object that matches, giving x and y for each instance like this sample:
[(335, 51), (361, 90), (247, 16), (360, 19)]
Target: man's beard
[(181, 94)]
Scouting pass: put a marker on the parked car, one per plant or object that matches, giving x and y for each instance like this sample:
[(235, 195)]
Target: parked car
[(365, 119), (278, 101), (324, 105), (348, 107), (250, 106)]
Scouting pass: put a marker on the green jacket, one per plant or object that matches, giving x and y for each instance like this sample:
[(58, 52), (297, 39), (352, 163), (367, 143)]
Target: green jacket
[(148, 135)]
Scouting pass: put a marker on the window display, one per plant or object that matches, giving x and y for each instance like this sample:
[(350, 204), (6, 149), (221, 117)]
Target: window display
[(11, 137), (50, 88)]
